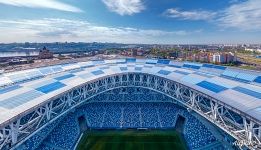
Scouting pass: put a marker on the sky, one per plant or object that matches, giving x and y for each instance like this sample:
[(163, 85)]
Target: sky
[(131, 21)]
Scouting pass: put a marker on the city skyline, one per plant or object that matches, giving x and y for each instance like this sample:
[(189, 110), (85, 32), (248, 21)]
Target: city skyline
[(131, 21)]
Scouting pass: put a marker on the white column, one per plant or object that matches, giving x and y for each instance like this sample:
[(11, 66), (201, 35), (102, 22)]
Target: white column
[(14, 127)]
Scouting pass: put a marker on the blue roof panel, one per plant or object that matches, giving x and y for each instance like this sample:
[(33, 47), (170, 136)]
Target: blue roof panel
[(9, 89), (214, 66), (258, 79), (220, 67), (138, 68), (130, 60), (98, 72), (163, 61), (208, 65), (212, 86), (150, 63), (248, 92), (76, 70), (88, 66), (191, 66), (235, 79), (51, 87), (123, 68), (64, 77), (164, 72), (181, 72), (98, 62)]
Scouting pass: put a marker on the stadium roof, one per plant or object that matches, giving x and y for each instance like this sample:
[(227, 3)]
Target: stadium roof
[(23, 90)]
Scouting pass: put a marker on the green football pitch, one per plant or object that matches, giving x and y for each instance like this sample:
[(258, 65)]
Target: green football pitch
[(131, 140)]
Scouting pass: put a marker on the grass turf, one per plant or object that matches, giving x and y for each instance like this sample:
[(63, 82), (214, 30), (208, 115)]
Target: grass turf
[(131, 140)]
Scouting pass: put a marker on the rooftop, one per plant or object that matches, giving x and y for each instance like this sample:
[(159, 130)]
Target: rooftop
[(22, 90)]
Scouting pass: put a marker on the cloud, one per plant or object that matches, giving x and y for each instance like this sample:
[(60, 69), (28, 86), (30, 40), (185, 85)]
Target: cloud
[(189, 15), (50, 4), (51, 30), (124, 7), (245, 16)]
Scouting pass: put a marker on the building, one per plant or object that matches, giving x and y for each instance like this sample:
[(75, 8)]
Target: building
[(218, 58), (223, 57), (134, 52), (174, 55), (45, 54), (253, 50), (230, 57), (140, 52)]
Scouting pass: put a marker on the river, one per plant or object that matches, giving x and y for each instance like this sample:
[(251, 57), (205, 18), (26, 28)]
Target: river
[(16, 54)]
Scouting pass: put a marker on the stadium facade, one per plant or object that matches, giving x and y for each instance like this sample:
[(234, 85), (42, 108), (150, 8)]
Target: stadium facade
[(32, 101)]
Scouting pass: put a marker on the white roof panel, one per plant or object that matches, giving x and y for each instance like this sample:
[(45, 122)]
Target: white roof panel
[(193, 78)]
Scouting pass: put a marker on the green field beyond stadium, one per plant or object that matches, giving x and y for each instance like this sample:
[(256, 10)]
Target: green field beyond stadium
[(131, 140)]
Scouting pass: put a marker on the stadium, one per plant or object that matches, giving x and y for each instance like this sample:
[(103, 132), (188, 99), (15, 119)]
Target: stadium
[(52, 108)]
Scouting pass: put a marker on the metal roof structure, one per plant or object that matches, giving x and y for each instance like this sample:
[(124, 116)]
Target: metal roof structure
[(25, 90), (22, 90)]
